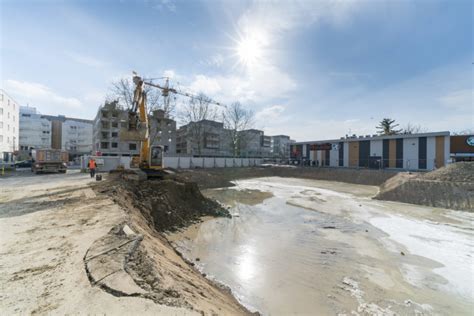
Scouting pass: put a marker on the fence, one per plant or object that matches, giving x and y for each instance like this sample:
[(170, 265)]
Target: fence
[(210, 162), (107, 163)]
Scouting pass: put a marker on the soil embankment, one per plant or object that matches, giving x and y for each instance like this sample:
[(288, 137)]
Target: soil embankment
[(448, 187), (218, 178), (162, 274)]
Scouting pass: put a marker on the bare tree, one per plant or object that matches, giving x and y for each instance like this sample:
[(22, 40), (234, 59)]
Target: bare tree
[(463, 132), (193, 112), (122, 90), (413, 129), (236, 119)]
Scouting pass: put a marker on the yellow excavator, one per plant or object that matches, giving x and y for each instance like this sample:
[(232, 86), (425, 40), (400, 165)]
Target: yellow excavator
[(150, 161)]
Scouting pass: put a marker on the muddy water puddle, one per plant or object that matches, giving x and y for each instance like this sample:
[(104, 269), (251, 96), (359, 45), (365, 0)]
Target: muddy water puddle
[(310, 247)]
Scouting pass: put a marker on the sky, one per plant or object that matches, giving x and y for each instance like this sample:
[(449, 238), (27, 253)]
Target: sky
[(309, 69)]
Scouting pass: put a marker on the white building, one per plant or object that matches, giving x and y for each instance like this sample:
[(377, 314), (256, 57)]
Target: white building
[(9, 126), (76, 136), (35, 131)]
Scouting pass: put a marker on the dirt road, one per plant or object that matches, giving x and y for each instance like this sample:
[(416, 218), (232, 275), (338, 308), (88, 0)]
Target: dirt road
[(47, 223)]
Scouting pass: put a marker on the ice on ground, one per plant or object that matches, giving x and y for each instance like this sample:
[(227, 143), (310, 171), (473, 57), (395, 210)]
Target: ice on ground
[(444, 244)]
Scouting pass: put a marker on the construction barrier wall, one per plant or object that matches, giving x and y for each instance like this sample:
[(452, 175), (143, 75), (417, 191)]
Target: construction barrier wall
[(107, 163), (209, 162)]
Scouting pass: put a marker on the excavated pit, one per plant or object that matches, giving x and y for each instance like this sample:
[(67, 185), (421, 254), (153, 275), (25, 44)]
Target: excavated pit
[(162, 275)]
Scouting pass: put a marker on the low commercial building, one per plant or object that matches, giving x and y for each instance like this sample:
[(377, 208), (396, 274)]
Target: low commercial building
[(425, 151), (111, 118), (462, 148), (9, 127)]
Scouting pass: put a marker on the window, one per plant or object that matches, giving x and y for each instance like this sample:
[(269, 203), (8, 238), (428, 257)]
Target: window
[(1, 138), (26, 115), (132, 146), (8, 114), (114, 124), (114, 145), (104, 145), (1, 111), (105, 134), (114, 134)]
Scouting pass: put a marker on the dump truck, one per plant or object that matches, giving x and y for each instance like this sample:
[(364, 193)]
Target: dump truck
[(49, 160)]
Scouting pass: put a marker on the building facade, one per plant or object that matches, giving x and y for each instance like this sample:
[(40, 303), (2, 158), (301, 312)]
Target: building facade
[(462, 148), (204, 138), (35, 131), (57, 132), (425, 151), (9, 127), (111, 118), (76, 137), (280, 147)]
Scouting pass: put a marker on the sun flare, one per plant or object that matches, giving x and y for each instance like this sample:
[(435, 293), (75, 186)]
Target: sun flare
[(249, 50)]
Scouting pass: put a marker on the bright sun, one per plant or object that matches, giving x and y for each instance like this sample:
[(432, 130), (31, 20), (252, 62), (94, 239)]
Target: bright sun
[(249, 50)]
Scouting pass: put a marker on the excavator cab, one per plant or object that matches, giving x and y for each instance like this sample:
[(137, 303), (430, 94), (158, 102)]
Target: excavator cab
[(156, 157)]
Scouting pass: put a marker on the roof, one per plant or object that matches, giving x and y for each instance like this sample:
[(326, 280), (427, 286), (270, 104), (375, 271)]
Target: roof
[(378, 137)]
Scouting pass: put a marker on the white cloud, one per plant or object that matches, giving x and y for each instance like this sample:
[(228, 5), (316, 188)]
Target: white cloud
[(270, 113), (44, 98), (207, 85), (86, 60), (461, 100), (94, 98), (170, 73)]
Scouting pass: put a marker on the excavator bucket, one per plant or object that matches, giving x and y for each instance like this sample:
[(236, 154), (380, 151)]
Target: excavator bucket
[(134, 131), (132, 135)]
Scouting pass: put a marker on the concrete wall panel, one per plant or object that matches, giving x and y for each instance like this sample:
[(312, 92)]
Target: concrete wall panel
[(376, 148), (346, 154), (430, 152), (354, 154), (410, 153)]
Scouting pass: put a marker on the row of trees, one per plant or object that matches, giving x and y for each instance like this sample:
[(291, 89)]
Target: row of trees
[(235, 117)]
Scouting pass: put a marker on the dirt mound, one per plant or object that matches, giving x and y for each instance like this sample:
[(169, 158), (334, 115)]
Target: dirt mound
[(449, 187), (456, 172), (166, 204), (222, 177), (155, 267)]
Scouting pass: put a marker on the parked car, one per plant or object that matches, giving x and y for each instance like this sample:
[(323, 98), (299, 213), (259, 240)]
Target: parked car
[(23, 164)]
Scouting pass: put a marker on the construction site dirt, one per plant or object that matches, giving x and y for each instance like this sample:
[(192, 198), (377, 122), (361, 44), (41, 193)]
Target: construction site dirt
[(73, 245)]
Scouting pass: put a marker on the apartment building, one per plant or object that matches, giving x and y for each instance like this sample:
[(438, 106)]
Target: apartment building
[(76, 136), (163, 131), (35, 131), (57, 132), (425, 151), (9, 127), (251, 143), (280, 147), (111, 118), (204, 138)]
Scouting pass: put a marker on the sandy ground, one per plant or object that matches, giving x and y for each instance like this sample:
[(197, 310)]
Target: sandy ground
[(305, 247), (47, 223)]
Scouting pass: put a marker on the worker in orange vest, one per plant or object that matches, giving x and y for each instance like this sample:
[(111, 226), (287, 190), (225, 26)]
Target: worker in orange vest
[(92, 166)]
